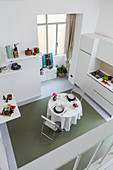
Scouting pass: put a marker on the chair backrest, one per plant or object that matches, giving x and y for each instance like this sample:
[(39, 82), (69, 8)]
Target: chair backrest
[(78, 91), (49, 121)]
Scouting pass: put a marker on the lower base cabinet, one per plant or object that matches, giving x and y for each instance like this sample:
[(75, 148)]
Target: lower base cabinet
[(101, 95), (48, 74), (103, 102)]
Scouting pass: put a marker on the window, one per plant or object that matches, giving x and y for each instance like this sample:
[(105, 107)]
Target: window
[(51, 33)]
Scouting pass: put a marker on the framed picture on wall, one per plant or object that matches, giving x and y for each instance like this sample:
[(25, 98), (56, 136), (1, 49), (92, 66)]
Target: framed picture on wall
[(47, 60)]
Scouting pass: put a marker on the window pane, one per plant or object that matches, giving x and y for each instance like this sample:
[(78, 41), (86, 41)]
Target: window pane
[(61, 38), (42, 38), (41, 19), (51, 38), (56, 18)]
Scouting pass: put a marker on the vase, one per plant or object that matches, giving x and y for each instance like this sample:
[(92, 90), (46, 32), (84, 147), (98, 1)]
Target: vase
[(54, 98)]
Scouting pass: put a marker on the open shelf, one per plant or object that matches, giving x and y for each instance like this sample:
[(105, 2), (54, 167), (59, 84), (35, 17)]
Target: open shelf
[(9, 71), (22, 56)]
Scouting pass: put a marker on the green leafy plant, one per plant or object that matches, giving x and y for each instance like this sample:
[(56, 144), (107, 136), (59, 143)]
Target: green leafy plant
[(105, 78), (61, 70)]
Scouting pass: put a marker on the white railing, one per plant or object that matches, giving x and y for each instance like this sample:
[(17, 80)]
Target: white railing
[(73, 149)]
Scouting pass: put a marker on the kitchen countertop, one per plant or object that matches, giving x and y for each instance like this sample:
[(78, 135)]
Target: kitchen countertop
[(14, 115), (100, 81)]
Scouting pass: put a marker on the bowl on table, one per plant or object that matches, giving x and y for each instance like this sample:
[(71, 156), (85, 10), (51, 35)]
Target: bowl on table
[(58, 109), (71, 97), (15, 66)]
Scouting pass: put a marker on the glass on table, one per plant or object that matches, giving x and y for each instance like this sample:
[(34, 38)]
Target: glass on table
[(59, 97), (64, 104), (71, 104)]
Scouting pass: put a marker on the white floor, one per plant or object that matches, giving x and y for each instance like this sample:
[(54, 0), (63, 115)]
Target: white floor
[(57, 85), (110, 167), (49, 87)]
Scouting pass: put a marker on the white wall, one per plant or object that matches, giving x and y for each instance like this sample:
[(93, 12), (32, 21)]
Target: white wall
[(105, 21), (18, 18)]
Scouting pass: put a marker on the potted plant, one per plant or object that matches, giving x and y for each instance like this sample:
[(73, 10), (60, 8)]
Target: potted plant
[(61, 71)]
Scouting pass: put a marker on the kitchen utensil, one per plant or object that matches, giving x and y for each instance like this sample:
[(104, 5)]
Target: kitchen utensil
[(8, 51), (9, 96), (28, 52), (112, 80), (4, 97), (15, 66), (36, 50), (63, 112)]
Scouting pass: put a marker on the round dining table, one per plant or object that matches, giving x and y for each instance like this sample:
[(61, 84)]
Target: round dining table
[(70, 114)]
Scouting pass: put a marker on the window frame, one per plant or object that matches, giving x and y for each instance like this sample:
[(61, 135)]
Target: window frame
[(53, 23)]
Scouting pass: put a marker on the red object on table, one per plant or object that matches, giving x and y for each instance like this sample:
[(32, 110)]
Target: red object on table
[(75, 105)]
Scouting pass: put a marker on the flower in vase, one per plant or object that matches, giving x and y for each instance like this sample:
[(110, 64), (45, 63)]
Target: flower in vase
[(54, 94)]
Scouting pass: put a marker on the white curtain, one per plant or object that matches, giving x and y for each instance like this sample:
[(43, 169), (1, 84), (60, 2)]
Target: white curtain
[(70, 29)]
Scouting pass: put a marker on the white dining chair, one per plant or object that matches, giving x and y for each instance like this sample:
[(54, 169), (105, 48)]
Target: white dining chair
[(77, 90), (50, 124)]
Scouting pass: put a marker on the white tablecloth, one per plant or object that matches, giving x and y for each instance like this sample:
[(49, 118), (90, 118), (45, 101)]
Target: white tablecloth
[(66, 118)]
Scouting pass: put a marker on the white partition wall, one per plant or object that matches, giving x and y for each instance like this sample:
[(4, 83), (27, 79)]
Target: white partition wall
[(23, 83)]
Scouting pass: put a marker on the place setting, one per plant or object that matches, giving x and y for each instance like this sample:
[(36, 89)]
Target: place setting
[(63, 103)]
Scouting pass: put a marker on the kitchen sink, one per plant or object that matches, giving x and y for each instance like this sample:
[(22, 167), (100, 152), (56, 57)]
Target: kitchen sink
[(98, 74)]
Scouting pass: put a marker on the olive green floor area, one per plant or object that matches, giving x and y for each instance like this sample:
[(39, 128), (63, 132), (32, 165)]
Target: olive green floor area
[(25, 132)]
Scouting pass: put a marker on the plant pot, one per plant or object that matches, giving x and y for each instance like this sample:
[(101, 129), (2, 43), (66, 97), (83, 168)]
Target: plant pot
[(61, 74)]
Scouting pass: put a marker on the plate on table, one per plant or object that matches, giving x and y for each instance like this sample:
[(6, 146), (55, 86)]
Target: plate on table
[(71, 97), (58, 109)]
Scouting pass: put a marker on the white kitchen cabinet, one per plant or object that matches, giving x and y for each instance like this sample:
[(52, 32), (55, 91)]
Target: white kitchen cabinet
[(102, 95), (86, 43), (105, 51), (82, 68), (102, 101), (49, 74), (89, 62), (82, 80)]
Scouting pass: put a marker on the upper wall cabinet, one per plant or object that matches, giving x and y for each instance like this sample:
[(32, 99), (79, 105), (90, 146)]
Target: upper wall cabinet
[(105, 51), (87, 42)]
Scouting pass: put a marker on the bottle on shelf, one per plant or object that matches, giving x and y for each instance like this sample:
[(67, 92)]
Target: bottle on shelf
[(15, 51)]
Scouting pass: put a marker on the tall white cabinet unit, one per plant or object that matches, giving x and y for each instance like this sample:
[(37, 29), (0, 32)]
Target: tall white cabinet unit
[(88, 46)]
